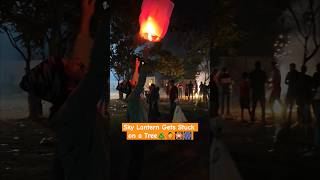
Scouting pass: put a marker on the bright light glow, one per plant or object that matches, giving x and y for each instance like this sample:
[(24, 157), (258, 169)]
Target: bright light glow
[(154, 19), (149, 30), (197, 96)]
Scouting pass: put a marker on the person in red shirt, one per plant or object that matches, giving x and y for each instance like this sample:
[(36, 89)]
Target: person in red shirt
[(244, 92)]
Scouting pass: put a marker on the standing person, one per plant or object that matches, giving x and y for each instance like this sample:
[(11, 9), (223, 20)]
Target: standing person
[(316, 106), (180, 88), (258, 79), (201, 87), (291, 81), (244, 88), (205, 92), (82, 144), (75, 88), (186, 91), (196, 88), (153, 115), (225, 83), (173, 96), (190, 90), (214, 95), (168, 89), (304, 99), (276, 86), (136, 114)]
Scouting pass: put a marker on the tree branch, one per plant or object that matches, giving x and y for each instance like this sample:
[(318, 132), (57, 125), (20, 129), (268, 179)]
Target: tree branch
[(14, 44), (314, 23), (314, 52), (296, 20)]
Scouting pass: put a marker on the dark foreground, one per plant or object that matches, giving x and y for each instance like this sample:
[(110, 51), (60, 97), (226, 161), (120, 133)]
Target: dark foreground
[(251, 146)]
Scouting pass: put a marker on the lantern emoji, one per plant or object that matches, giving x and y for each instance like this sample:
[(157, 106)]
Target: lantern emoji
[(154, 19)]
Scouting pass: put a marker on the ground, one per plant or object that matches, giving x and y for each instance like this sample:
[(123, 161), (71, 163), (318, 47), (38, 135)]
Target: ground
[(251, 146)]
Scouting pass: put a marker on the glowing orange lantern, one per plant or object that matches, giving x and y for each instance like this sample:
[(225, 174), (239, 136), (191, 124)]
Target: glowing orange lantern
[(154, 19)]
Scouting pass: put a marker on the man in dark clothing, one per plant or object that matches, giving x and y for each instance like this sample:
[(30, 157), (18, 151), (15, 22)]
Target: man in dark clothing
[(304, 99), (186, 91), (205, 92), (196, 89), (214, 95), (153, 99), (190, 90), (258, 79), (225, 82), (173, 95), (316, 106), (291, 81), (201, 87)]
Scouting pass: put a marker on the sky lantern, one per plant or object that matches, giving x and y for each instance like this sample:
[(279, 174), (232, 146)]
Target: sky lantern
[(154, 19)]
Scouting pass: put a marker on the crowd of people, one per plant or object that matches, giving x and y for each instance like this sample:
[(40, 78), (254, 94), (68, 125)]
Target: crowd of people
[(303, 92)]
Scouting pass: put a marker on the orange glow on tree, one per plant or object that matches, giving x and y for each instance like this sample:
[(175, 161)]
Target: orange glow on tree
[(154, 19)]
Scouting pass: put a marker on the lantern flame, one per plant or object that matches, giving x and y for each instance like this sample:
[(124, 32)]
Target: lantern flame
[(149, 30)]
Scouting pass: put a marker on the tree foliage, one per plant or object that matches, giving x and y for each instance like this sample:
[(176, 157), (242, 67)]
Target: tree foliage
[(47, 26), (167, 64), (124, 27)]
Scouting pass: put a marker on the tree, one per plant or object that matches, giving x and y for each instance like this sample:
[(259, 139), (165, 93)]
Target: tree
[(209, 36), (124, 27), (306, 17), (19, 23), (38, 29), (120, 62), (168, 65)]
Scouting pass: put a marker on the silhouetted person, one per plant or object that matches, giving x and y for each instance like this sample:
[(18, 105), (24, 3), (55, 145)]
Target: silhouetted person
[(190, 90), (244, 88), (214, 95), (201, 87), (276, 86), (225, 83), (173, 95), (196, 89), (186, 91), (316, 106), (291, 80), (258, 79), (168, 89), (136, 114), (205, 92), (180, 89), (304, 99), (81, 151), (153, 99)]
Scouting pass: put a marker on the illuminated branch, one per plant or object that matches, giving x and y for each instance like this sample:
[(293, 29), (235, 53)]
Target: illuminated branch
[(296, 20), (14, 43), (314, 23)]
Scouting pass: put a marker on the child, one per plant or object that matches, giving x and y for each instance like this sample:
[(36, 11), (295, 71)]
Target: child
[(244, 88)]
